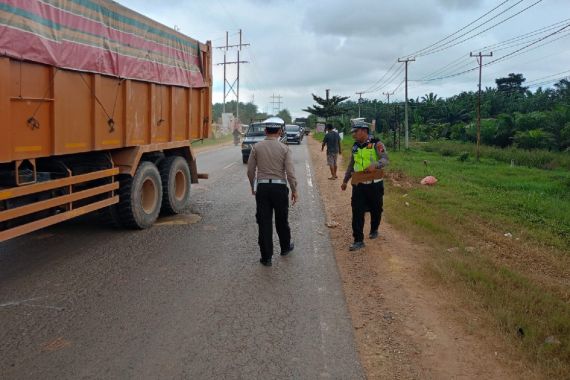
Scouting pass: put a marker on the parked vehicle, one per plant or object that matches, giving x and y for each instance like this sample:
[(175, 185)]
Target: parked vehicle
[(256, 133), (92, 122), (294, 134)]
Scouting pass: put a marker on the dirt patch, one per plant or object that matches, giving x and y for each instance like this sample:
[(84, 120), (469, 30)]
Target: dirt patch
[(406, 326)]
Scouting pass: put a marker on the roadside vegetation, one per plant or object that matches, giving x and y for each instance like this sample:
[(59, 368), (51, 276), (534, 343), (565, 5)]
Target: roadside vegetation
[(499, 231), (500, 236), (212, 141)]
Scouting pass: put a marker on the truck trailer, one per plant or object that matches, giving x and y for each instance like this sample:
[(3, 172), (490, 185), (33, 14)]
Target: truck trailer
[(99, 106)]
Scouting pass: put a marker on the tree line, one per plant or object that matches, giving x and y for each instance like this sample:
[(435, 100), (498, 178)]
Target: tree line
[(248, 112), (512, 115)]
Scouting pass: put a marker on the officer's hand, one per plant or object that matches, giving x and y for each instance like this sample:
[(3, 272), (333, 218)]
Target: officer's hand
[(294, 197), (252, 192), (343, 186)]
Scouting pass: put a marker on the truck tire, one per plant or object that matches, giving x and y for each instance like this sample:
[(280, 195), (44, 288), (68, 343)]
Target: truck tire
[(140, 197), (175, 175)]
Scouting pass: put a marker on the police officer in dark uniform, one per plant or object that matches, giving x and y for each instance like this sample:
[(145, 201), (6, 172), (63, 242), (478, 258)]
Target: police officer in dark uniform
[(270, 167), (368, 154)]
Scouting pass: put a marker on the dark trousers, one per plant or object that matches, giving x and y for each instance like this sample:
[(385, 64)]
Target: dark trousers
[(271, 197), (366, 197)]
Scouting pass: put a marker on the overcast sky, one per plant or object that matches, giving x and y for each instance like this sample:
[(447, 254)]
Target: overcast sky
[(299, 47)]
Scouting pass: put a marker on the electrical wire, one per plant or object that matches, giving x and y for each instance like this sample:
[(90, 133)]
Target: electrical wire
[(380, 80), (445, 47), (508, 55), (463, 61), (458, 31)]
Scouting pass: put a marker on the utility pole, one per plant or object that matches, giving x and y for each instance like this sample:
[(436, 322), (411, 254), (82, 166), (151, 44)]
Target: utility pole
[(359, 101), (406, 61), (274, 102), (480, 62), (394, 125), (236, 81)]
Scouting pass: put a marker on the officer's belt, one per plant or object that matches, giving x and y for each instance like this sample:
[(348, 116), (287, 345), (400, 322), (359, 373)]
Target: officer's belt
[(369, 182), (278, 181)]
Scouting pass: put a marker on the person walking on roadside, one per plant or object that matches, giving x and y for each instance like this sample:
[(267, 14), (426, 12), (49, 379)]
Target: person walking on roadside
[(269, 168), (368, 155), (333, 144), (236, 133)]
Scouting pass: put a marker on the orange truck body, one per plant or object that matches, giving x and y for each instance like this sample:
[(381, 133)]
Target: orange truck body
[(52, 112)]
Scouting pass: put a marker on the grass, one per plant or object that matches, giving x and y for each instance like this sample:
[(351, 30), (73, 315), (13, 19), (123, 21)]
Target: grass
[(212, 141), (475, 204), (491, 196), (541, 159)]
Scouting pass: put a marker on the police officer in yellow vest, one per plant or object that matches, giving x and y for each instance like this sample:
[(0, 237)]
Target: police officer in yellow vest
[(367, 154)]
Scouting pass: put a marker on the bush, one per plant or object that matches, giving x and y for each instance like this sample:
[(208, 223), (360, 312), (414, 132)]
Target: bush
[(535, 158), (464, 156)]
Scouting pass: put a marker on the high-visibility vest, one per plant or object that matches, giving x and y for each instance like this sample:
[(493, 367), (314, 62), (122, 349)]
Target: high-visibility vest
[(363, 157)]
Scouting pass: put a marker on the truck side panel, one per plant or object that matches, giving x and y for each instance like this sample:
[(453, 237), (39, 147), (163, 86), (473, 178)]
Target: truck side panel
[(53, 111)]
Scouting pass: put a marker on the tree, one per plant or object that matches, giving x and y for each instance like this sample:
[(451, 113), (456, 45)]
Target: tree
[(285, 115), (511, 84), (326, 107)]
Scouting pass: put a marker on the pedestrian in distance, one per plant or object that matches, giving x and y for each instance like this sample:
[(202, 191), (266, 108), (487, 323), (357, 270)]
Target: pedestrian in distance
[(368, 157), (269, 168), (333, 144), (236, 133)]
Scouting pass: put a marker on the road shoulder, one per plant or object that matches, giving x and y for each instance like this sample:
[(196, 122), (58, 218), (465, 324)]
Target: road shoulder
[(406, 325)]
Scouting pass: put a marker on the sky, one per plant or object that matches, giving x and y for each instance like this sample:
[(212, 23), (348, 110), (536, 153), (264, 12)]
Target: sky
[(299, 47)]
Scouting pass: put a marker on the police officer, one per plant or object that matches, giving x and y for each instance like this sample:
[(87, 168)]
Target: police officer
[(272, 161), (368, 154)]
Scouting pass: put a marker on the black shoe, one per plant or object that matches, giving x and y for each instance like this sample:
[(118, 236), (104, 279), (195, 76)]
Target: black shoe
[(356, 246), (266, 262), (373, 235), (285, 252)]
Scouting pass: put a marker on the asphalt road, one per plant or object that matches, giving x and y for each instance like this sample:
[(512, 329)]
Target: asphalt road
[(184, 299)]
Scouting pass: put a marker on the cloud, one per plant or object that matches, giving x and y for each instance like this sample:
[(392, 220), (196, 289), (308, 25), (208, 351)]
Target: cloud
[(460, 4), (365, 18)]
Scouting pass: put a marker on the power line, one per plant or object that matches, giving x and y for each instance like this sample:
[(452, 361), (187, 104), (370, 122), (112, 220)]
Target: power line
[(383, 76), (506, 55), (463, 61), (447, 46), (459, 31), (387, 81)]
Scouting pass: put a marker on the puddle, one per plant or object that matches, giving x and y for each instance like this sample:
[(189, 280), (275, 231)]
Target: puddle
[(177, 220)]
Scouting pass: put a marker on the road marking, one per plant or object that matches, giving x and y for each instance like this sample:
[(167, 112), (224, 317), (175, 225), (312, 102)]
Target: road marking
[(229, 166), (309, 175), (27, 303)]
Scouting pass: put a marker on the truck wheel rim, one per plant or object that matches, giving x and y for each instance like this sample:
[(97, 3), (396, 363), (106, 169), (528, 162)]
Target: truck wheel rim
[(180, 185), (149, 195)]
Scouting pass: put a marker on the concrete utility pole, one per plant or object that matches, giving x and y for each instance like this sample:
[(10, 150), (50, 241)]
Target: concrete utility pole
[(480, 62), (236, 81), (388, 96), (405, 61), (359, 100)]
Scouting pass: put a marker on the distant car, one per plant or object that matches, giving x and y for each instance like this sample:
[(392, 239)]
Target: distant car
[(256, 133), (293, 133)]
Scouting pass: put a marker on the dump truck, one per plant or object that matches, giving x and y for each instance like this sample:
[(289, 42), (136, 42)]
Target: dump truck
[(99, 106)]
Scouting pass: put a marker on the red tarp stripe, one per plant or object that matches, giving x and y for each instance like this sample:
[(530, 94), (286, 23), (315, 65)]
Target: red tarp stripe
[(97, 29), (73, 55)]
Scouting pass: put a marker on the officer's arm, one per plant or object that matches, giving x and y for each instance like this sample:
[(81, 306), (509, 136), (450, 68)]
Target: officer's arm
[(251, 166), (349, 170), (382, 155)]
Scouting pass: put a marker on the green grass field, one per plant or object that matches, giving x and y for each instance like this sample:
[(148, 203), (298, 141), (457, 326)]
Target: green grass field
[(525, 299)]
